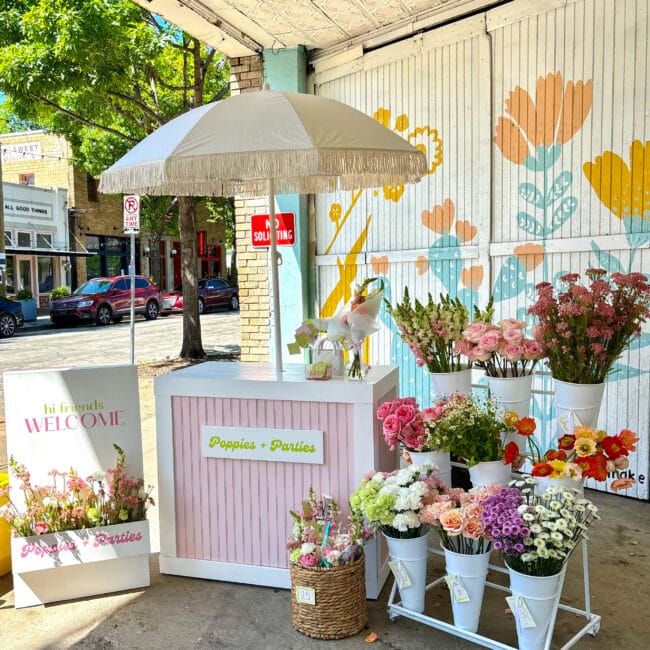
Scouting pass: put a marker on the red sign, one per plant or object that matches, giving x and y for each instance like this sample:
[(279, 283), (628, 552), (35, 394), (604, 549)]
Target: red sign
[(285, 229)]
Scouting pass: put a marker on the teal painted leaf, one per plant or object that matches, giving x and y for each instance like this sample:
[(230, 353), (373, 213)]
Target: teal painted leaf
[(606, 260), (530, 292), (469, 297), (637, 230), (544, 158), (528, 192), (445, 262), (511, 280), (640, 341), (559, 186), (621, 372), (562, 213), (529, 224)]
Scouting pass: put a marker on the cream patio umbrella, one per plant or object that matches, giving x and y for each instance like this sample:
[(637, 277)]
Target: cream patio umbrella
[(266, 143)]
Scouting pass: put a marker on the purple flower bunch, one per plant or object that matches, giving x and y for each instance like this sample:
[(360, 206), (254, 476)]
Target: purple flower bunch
[(504, 523)]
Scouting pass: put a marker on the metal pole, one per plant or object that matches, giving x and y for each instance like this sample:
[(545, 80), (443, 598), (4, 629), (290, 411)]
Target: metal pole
[(275, 283), (132, 274)]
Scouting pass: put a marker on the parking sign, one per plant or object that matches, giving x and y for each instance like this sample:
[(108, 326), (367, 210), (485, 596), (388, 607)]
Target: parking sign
[(131, 207)]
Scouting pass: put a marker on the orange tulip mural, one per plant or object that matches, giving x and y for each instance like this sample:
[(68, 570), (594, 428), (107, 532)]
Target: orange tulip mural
[(532, 133), (625, 191)]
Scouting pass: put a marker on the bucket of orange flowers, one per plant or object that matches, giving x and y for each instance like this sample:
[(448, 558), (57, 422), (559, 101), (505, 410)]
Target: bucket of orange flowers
[(582, 453)]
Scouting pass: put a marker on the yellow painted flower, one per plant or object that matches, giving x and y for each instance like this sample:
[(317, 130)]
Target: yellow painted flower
[(584, 447), (623, 189), (428, 141), (335, 212), (554, 117), (382, 116), (393, 192), (402, 123)]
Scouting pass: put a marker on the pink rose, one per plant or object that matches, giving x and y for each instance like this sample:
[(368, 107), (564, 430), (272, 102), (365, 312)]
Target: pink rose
[(479, 353), (514, 352), (512, 323), (433, 413), (474, 332), (405, 413), (490, 341), (307, 560), (532, 350), (513, 335), (392, 424), (385, 409), (462, 346), (414, 439)]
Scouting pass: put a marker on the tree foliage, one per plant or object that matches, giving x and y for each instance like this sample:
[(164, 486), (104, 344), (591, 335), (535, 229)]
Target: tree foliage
[(104, 74)]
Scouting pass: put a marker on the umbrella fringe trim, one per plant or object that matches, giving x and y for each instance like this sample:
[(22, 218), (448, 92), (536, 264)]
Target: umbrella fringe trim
[(246, 174)]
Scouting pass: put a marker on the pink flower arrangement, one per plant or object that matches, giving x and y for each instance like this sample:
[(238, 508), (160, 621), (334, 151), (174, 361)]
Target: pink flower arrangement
[(583, 330), (72, 502), (403, 423), (322, 537), (502, 349), (457, 517)]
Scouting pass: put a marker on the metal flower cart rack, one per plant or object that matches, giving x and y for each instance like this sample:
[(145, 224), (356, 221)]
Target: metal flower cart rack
[(591, 627)]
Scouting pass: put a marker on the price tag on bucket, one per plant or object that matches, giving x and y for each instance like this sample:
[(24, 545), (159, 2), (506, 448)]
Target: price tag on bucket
[(457, 588), (306, 595), (401, 576), (518, 606)]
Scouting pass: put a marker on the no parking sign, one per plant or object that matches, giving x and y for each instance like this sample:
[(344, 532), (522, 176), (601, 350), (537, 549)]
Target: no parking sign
[(131, 205)]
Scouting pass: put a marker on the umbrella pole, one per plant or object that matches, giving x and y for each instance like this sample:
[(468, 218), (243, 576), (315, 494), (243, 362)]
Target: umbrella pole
[(275, 282)]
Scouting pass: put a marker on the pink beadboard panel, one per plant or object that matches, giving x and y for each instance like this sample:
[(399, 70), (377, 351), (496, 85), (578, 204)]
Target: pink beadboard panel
[(237, 511)]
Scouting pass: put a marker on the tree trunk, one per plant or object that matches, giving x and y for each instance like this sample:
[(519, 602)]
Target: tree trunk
[(154, 258), (192, 345)]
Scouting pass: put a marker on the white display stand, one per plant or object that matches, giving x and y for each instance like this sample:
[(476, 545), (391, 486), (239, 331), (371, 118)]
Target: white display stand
[(227, 484), (592, 626), (60, 419)]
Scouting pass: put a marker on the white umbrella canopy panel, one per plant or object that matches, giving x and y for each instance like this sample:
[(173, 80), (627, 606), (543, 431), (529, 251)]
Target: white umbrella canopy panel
[(266, 143)]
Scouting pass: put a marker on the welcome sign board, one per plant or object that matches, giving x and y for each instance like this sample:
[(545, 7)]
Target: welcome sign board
[(254, 443)]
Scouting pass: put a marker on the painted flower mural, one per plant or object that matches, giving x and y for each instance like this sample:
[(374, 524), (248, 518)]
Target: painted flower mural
[(625, 189)]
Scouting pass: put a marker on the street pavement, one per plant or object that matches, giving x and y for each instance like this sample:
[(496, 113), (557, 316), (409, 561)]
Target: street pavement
[(178, 613)]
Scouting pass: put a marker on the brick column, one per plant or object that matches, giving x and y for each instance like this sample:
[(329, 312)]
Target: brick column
[(252, 263)]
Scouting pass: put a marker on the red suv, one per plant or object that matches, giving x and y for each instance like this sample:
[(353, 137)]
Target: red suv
[(107, 299)]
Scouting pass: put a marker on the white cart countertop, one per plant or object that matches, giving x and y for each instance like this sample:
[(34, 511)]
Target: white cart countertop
[(263, 381)]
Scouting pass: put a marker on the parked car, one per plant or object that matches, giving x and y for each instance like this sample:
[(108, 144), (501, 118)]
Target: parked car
[(107, 299), (11, 317), (213, 293)]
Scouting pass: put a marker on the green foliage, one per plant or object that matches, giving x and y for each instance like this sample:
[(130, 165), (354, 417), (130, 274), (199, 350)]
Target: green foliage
[(59, 292), (24, 294)]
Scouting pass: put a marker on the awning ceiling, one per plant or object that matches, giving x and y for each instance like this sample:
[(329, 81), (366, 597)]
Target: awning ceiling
[(47, 252), (245, 27)]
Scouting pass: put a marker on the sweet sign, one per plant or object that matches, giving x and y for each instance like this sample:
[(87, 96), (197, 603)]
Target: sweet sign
[(254, 443)]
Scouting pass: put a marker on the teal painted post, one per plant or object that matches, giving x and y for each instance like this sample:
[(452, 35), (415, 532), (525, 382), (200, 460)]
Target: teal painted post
[(286, 70)]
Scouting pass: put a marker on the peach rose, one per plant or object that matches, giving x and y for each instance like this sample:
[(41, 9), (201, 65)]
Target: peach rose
[(473, 528), (452, 521)]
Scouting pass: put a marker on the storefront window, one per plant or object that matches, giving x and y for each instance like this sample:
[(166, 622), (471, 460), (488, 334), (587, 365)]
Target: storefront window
[(11, 260), (43, 241), (45, 274), (24, 239), (8, 239)]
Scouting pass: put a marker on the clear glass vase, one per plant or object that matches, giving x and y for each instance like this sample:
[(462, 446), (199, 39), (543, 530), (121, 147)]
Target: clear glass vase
[(356, 369)]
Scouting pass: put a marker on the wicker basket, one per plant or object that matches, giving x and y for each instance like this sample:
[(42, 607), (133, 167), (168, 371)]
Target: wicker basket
[(340, 594)]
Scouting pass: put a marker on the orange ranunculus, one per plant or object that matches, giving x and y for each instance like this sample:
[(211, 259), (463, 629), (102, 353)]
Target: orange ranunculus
[(628, 439), (526, 426), (612, 446), (623, 190), (542, 469), (551, 454), (554, 117), (566, 442)]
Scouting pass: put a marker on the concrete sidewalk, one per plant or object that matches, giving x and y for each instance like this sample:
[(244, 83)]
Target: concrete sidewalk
[(177, 612)]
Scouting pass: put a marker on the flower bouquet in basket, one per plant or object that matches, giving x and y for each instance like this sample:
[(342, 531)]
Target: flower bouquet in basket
[(327, 567), (583, 330), (536, 534)]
